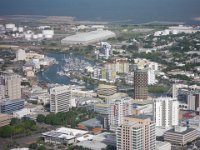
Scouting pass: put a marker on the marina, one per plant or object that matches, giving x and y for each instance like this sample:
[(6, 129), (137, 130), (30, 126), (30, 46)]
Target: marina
[(61, 71)]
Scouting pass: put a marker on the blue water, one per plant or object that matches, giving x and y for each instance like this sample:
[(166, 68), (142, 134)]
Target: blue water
[(137, 11), (50, 75)]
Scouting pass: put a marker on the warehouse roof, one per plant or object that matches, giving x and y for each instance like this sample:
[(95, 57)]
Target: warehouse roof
[(65, 133)]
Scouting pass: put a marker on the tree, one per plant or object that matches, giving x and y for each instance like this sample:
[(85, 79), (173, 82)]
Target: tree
[(6, 131), (33, 146), (40, 118), (14, 121), (41, 148)]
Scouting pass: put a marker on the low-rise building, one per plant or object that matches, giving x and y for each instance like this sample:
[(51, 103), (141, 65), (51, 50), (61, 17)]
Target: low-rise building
[(180, 135), (63, 135), (93, 125), (106, 90), (22, 113), (5, 119), (163, 145), (30, 73), (96, 145), (20, 149), (8, 107)]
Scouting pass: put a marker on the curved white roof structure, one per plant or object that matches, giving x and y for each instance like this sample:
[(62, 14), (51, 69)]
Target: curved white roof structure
[(88, 37)]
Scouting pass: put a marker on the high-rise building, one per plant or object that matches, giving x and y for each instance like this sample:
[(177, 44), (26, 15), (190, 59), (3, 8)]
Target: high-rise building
[(105, 49), (60, 99), (166, 112), (193, 101), (20, 55), (140, 84), (109, 72), (10, 86), (136, 133), (2, 91), (151, 77), (197, 101), (122, 64), (117, 110)]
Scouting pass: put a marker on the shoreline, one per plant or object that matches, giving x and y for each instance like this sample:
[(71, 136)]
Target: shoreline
[(74, 20)]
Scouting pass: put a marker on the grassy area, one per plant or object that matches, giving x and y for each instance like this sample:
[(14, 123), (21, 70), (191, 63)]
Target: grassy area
[(158, 89)]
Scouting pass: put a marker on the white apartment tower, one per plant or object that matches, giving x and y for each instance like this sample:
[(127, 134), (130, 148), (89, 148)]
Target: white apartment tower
[(106, 49), (151, 77), (166, 112), (20, 55), (60, 98), (117, 110), (136, 133)]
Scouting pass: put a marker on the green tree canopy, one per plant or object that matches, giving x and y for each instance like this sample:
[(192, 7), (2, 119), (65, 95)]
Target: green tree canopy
[(40, 118)]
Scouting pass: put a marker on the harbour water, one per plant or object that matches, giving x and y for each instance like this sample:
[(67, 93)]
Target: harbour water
[(133, 11), (50, 75)]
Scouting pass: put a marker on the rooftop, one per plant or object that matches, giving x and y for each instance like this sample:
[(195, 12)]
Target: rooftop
[(66, 133), (160, 143), (92, 145), (139, 116), (142, 102), (116, 96), (11, 101), (106, 86), (182, 133), (5, 117), (83, 38), (102, 105), (92, 123)]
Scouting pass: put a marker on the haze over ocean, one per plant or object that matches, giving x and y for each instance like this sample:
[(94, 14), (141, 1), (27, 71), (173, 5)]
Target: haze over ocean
[(139, 11)]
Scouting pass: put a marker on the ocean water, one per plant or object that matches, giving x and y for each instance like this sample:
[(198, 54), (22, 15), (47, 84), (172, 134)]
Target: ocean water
[(134, 11)]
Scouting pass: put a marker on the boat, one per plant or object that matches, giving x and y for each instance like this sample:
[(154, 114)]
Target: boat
[(75, 64), (81, 82), (74, 80), (60, 73)]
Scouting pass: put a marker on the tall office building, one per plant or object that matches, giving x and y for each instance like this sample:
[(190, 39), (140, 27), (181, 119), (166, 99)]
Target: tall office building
[(10, 86), (140, 84), (136, 133), (166, 112), (197, 101), (60, 98), (117, 110), (193, 101)]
